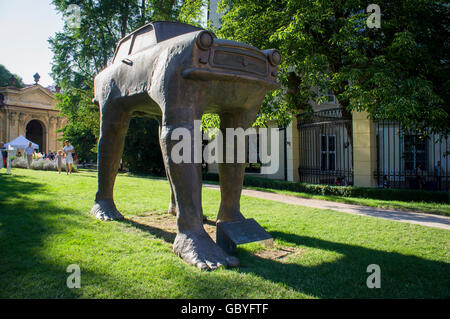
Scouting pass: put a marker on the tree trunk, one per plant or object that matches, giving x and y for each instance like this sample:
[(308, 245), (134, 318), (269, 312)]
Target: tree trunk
[(143, 12), (124, 18)]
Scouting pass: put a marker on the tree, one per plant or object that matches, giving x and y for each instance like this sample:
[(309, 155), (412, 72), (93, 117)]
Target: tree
[(5, 78), (397, 72), (142, 151), (81, 52)]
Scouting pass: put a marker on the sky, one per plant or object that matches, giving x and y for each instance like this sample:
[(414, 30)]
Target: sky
[(25, 26)]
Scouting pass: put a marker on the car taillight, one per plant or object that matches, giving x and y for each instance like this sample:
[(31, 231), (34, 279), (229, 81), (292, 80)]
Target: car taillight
[(274, 57), (205, 40)]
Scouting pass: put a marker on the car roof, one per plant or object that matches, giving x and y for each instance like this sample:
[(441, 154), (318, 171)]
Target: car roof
[(164, 30)]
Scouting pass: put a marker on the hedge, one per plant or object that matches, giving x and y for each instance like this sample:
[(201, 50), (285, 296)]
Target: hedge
[(343, 191), (40, 164)]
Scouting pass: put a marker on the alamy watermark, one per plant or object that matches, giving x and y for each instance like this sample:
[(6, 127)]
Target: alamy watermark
[(74, 279), (374, 279), (73, 19), (374, 19), (234, 145)]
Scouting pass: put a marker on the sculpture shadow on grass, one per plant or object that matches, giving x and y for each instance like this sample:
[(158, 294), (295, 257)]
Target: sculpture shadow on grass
[(22, 235), (25, 230), (16, 186), (402, 276), (167, 236), (26, 227)]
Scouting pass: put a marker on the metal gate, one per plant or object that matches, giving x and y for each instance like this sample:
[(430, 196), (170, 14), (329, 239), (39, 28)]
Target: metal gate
[(326, 147)]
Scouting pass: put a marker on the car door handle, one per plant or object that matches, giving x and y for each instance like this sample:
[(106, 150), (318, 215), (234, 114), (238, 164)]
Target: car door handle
[(127, 61)]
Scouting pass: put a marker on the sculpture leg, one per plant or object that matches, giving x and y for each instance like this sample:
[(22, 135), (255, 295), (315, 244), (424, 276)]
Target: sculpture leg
[(231, 175), (114, 126), (172, 204), (192, 243)]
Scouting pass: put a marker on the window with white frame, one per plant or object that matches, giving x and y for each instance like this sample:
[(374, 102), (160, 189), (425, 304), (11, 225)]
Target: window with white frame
[(328, 152), (415, 152), (327, 96), (252, 159)]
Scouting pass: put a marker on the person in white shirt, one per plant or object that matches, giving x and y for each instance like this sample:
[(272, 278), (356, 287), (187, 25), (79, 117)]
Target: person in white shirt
[(68, 150), (29, 151)]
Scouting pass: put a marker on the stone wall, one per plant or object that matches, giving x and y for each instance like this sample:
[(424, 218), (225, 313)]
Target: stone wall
[(20, 106)]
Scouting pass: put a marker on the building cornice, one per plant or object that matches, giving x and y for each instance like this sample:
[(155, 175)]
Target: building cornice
[(34, 107), (14, 90)]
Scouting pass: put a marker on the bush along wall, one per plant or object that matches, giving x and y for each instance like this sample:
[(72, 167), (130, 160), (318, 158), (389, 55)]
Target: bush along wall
[(40, 164), (343, 191)]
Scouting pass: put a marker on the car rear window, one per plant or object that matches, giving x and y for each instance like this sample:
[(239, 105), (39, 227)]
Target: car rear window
[(123, 49), (143, 39)]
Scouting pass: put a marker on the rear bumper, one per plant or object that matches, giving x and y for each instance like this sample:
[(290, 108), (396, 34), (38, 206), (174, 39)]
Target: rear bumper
[(204, 74)]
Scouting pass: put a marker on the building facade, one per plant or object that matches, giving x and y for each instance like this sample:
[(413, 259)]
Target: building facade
[(31, 112), (336, 147), (340, 148)]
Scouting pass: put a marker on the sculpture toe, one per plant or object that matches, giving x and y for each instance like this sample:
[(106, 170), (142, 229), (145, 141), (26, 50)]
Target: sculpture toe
[(106, 210), (197, 248)]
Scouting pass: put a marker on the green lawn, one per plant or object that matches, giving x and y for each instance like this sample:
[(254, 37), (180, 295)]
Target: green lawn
[(45, 226)]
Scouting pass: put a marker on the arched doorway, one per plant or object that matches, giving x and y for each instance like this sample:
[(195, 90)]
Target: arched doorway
[(35, 132)]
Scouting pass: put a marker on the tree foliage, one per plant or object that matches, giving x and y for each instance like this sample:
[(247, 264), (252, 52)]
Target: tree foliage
[(142, 152), (399, 71), (5, 77)]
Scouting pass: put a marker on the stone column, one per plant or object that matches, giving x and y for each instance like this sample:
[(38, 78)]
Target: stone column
[(59, 135), (22, 121), (13, 125), (46, 128), (364, 150), (52, 143), (3, 127), (293, 151)]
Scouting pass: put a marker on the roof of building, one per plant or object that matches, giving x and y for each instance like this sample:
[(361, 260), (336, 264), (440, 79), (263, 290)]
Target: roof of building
[(30, 96), (51, 89)]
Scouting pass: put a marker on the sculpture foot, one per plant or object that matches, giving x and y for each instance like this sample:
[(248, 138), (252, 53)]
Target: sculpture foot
[(105, 209), (230, 217), (198, 249)]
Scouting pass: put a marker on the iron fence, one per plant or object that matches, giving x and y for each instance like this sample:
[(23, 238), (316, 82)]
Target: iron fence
[(407, 159), (326, 152)]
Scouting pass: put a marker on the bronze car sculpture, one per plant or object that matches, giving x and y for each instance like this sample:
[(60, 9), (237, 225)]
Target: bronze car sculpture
[(177, 72)]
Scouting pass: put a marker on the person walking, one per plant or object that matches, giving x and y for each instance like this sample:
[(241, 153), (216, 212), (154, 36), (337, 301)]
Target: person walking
[(438, 173), (68, 150), (420, 176), (29, 151)]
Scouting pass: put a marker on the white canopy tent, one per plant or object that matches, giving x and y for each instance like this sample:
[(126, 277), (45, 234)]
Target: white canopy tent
[(21, 143)]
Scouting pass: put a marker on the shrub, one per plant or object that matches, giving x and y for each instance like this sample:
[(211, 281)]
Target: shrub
[(343, 191), (40, 164), (19, 162), (50, 166)]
